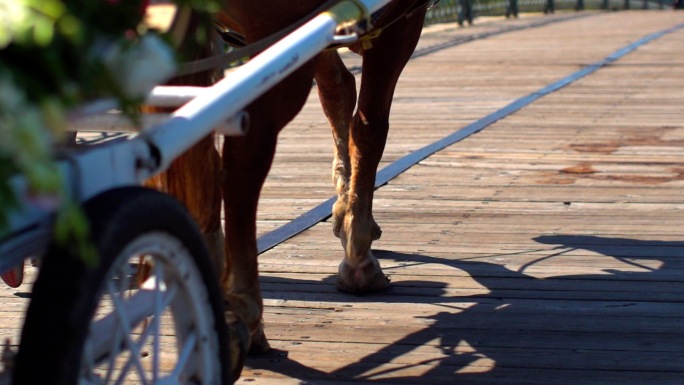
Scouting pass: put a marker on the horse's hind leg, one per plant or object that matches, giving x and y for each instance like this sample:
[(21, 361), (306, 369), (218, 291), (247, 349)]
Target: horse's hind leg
[(382, 65), (337, 93)]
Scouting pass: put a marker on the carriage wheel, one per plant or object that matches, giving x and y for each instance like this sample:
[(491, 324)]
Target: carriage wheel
[(149, 312)]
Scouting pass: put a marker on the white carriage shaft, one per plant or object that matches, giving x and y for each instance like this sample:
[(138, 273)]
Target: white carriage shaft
[(102, 118)]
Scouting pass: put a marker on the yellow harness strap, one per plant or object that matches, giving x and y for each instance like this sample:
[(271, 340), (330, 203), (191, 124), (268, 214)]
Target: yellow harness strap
[(367, 40)]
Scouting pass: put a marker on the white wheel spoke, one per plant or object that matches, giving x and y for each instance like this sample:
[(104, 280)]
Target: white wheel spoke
[(125, 324), (184, 356), (156, 324), (114, 353)]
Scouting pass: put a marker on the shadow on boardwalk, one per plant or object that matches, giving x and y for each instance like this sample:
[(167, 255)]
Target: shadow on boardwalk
[(613, 328)]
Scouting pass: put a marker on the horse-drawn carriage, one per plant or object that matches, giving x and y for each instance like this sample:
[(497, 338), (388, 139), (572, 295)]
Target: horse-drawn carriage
[(148, 305)]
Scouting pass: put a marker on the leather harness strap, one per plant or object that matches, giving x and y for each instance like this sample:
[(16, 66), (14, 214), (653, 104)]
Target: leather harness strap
[(251, 50), (367, 40)]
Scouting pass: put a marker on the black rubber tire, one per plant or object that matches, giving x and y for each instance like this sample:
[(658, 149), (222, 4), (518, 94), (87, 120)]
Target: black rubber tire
[(68, 290)]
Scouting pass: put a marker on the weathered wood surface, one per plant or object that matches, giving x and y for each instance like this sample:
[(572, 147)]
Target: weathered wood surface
[(547, 249)]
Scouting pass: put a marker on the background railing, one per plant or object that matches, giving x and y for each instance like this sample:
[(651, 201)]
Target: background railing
[(465, 10)]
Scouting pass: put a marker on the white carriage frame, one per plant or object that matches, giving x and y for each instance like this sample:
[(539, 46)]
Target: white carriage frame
[(141, 155), (130, 160)]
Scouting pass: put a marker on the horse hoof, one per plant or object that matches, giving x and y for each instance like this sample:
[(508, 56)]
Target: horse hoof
[(376, 231), (239, 344), (259, 344), (365, 278)]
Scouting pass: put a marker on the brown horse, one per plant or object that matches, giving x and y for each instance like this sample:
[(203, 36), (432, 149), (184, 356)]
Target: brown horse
[(359, 143)]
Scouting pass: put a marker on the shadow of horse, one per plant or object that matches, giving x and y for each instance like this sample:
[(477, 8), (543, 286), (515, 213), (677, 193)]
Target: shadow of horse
[(623, 326)]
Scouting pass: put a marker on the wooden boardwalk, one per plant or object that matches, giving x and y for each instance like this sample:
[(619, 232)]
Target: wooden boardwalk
[(546, 249)]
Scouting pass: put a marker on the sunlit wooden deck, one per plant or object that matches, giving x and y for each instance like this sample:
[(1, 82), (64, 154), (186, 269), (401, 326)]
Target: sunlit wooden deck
[(546, 249)]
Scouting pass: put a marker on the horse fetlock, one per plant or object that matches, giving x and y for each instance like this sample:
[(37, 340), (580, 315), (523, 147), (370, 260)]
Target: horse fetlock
[(364, 277), (338, 213), (372, 228), (340, 173), (244, 311), (238, 340)]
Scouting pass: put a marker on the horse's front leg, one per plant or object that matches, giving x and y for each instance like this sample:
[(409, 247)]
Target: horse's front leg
[(246, 162), (360, 271)]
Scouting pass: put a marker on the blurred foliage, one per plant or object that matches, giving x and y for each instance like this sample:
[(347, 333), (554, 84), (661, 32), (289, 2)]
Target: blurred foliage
[(56, 55)]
